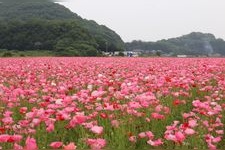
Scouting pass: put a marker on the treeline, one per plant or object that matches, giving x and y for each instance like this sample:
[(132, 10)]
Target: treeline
[(195, 43), (50, 26), (17, 10), (62, 37)]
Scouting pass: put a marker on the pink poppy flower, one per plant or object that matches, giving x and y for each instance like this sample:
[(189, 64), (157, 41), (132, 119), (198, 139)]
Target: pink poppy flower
[(17, 147), (149, 134), (56, 144), (115, 123), (180, 137), (50, 128), (70, 146), (155, 142), (192, 123), (96, 144), (23, 110), (157, 116), (4, 138), (97, 129), (142, 135), (133, 139), (30, 144), (15, 138), (189, 131)]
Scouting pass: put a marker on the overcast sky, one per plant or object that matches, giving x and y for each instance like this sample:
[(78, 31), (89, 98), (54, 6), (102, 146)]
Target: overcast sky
[(152, 20)]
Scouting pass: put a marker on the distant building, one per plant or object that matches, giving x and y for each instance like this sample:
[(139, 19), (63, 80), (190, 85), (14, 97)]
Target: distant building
[(182, 56), (215, 55), (131, 53), (108, 53)]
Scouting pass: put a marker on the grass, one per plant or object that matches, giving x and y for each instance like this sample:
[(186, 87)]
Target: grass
[(31, 53)]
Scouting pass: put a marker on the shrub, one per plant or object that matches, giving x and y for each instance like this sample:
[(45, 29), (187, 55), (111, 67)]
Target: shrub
[(7, 54)]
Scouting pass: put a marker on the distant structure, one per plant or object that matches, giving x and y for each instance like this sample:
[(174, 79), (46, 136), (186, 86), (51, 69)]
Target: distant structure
[(129, 54), (126, 53), (182, 56), (134, 53)]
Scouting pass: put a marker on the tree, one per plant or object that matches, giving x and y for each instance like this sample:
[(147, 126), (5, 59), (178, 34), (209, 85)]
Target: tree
[(158, 53), (41, 25)]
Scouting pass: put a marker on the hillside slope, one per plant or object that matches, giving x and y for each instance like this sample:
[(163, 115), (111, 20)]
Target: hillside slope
[(51, 15), (195, 43)]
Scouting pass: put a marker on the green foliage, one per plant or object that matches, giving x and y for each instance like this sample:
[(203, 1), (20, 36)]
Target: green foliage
[(50, 26), (107, 39), (39, 34), (121, 54), (7, 54), (195, 43), (158, 53), (218, 46), (66, 47), (29, 53), (27, 1), (34, 10)]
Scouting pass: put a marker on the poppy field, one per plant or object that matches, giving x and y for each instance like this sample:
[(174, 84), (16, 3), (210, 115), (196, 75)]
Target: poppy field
[(112, 103)]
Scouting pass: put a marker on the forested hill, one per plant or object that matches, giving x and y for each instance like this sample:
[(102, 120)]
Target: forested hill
[(35, 10), (51, 26), (195, 43)]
